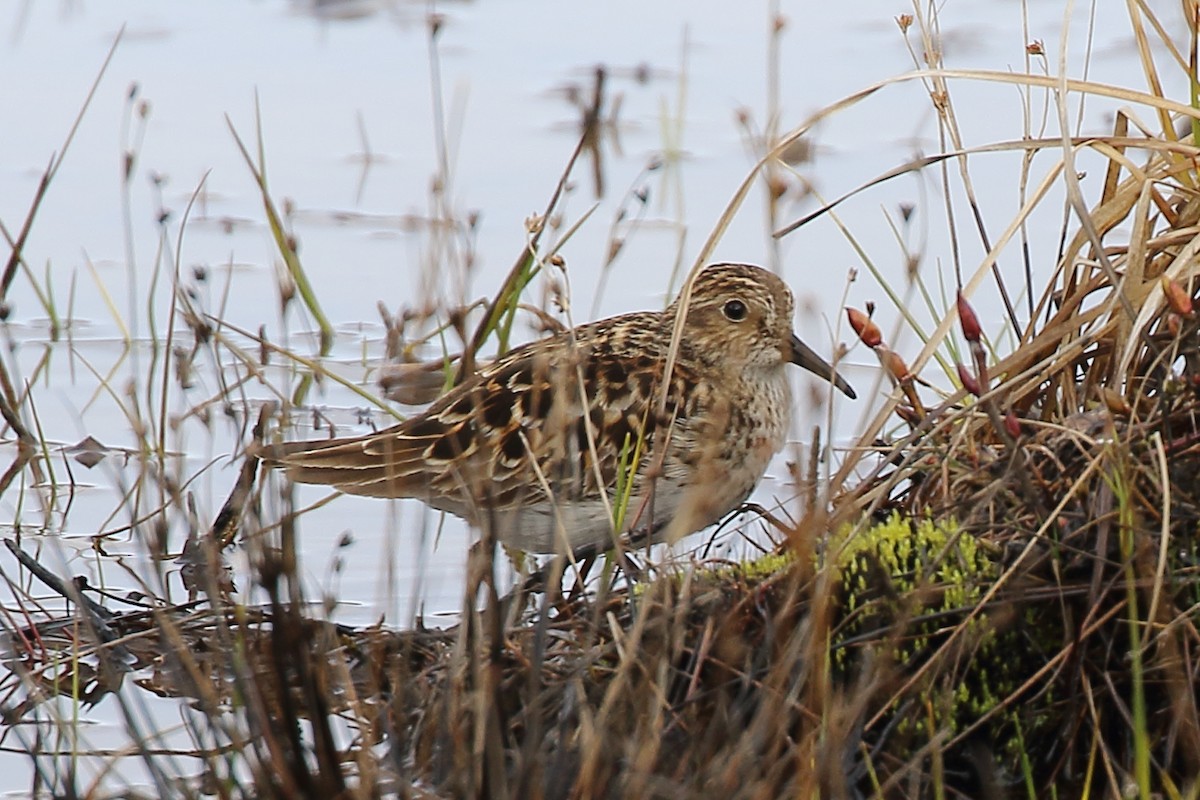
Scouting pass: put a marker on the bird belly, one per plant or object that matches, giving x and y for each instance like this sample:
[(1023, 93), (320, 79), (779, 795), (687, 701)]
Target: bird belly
[(553, 528)]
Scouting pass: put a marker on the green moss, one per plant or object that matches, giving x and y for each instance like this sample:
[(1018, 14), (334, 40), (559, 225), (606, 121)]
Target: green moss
[(907, 586), (912, 551), (750, 572), (766, 566)]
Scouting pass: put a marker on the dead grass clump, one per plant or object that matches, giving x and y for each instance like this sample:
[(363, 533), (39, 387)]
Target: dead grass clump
[(1075, 457)]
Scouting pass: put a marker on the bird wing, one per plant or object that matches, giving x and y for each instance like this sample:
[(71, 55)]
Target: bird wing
[(562, 415)]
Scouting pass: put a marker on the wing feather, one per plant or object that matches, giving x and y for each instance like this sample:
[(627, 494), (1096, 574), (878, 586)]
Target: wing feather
[(485, 435)]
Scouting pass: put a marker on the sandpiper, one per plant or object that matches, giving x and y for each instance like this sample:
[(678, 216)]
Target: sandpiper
[(562, 443)]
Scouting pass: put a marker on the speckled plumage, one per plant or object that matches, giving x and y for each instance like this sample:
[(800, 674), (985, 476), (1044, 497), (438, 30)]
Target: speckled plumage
[(526, 444)]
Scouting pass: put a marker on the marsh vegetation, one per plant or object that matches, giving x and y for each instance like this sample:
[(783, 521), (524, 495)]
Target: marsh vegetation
[(989, 590)]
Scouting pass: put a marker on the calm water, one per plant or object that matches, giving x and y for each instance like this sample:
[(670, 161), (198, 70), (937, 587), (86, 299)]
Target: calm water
[(345, 97)]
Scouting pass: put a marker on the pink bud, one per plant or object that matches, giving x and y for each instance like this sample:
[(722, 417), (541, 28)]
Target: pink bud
[(1013, 425), (968, 381), (868, 332), (1174, 324), (1177, 297), (972, 332), (894, 364)]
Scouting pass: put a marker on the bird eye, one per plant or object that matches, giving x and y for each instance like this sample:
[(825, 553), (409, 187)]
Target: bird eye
[(734, 310)]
